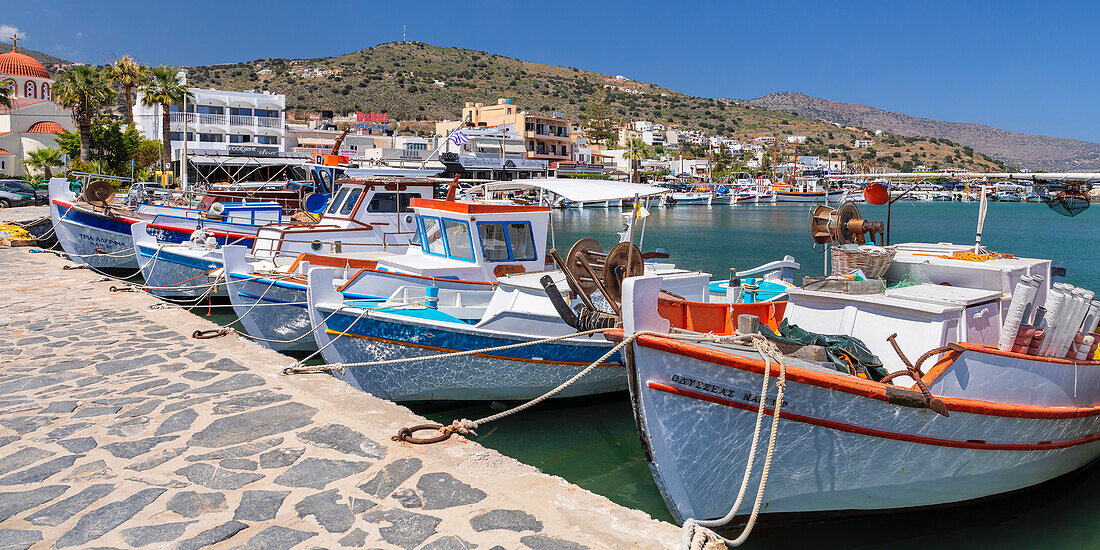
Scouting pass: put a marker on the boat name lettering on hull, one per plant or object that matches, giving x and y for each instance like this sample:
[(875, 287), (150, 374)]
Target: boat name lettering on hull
[(722, 391)]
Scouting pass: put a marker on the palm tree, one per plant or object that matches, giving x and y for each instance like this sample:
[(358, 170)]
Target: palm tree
[(45, 159), (128, 75), (164, 88), (7, 95), (84, 90), (636, 150)]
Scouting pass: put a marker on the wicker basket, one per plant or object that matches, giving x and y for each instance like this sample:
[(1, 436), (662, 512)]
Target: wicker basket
[(874, 263)]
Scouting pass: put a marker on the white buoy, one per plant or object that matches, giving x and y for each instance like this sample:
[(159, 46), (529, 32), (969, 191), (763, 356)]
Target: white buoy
[(1056, 299), (1022, 298)]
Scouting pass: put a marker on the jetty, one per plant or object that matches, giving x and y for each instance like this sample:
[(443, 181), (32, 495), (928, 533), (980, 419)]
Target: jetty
[(117, 429)]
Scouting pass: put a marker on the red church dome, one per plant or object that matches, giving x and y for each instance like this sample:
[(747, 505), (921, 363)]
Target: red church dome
[(45, 127), (14, 63)]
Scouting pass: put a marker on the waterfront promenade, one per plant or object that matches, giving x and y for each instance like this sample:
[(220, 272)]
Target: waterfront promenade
[(119, 430)]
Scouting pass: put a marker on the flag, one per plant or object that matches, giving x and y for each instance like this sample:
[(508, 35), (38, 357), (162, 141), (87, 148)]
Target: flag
[(459, 138)]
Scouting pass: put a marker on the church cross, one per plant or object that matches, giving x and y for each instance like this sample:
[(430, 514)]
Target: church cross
[(15, 42)]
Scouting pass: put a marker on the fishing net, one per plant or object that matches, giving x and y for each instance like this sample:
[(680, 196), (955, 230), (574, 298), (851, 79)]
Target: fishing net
[(1069, 203)]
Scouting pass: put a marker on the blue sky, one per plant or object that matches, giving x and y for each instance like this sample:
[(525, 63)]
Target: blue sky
[(1024, 66)]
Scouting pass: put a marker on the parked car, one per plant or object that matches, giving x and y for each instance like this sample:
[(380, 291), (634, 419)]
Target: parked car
[(145, 191), (8, 200), (24, 189)]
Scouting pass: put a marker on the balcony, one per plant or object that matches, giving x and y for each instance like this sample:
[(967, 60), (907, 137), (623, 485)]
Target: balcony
[(231, 120)]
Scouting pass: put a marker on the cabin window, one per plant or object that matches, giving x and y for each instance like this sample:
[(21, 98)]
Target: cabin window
[(336, 201), (433, 237), (507, 241), (387, 202), (521, 241), (349, 204), (458, 240), (494, 245)]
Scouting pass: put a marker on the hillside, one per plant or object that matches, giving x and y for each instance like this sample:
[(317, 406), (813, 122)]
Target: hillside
[(1025, 150), (401, 78)]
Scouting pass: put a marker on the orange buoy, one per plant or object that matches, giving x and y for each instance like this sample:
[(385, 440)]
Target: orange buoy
[(876, 193)]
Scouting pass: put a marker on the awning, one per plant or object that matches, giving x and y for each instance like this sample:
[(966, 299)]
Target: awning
[(226, 160), (576, 189), (316, 141)]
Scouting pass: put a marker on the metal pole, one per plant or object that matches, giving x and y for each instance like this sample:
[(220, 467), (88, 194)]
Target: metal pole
[(183, 152)]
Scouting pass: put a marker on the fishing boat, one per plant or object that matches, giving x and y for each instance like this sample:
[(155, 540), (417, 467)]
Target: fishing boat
[(685, 195), (807, 189), (767, 283), (508, 241), (978, 380), (368, 276), (366, 218), (94, 230)]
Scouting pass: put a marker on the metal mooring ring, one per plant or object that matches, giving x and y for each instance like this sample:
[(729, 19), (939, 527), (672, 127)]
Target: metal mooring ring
[(406, 434)]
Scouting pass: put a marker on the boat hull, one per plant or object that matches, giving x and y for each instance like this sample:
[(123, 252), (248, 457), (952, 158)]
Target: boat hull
[(180, 274), (790, 196), (509, 375), (838, 452), (280, 321), (102, 242)]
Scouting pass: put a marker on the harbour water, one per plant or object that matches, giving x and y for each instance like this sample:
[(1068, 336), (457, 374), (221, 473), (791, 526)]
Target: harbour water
[(592, 442)]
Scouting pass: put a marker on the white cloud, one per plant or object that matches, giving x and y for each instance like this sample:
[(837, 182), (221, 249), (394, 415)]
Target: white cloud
[(80, 34), (8, 31)]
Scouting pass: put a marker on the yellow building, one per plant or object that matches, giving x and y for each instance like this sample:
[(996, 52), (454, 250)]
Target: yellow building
[(544, 137)]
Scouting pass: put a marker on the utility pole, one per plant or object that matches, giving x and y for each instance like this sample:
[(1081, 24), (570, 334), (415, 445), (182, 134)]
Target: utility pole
[(182, 75)]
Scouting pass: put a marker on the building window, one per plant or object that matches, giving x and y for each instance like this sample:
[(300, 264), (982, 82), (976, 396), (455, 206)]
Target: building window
[(416, 146), (176, 108), (178, 136), (268, 140), (240, 111), (240, 139), (530, 126), (266, 113), (212, 138), (209, 110), (30, 90), (46, 90)]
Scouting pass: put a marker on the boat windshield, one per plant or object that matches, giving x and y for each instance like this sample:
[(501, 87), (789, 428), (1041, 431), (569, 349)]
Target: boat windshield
[(506, 241), (349, 204), (336, 201), (458, 239), (433, 237)]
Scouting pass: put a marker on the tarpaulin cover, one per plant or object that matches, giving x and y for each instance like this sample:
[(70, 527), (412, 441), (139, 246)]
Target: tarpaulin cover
[(848, 354)]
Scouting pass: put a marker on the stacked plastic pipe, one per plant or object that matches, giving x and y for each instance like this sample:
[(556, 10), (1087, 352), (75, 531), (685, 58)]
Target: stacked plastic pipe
[(1064, 328)]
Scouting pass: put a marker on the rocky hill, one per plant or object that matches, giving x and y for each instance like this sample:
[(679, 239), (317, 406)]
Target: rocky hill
[(1024, 150), (418, 83), (413, 82)]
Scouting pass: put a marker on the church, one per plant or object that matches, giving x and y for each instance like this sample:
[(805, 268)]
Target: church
[(33, 120)]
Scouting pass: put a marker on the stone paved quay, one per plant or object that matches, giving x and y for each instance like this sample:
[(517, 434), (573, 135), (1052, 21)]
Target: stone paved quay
[(117, 430)]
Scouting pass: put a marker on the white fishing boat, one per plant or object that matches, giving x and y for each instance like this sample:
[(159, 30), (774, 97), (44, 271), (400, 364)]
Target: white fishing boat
[(805, 189), (419, 319), (364, 219), (374, 276), (96, 231), (1002, 395)]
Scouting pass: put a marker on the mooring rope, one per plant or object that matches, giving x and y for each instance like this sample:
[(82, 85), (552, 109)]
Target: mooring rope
[(314, 369), (695, 534)]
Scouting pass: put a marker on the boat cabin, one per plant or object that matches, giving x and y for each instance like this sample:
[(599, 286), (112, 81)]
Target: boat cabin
[(363, 216), (474, 241)]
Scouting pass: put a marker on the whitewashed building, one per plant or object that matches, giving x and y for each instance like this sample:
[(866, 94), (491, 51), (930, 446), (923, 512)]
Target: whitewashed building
[(221, 123)]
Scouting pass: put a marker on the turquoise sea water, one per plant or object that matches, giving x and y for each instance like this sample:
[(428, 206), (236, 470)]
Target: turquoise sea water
[(593, 443)]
